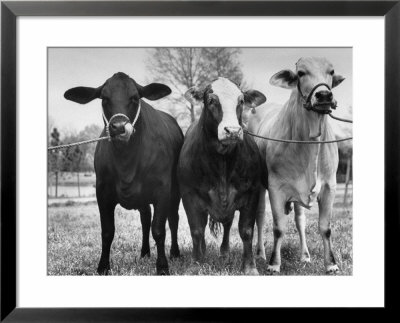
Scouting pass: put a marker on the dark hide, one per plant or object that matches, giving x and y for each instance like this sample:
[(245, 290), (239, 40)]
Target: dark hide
[(139, 172), (216, 180)]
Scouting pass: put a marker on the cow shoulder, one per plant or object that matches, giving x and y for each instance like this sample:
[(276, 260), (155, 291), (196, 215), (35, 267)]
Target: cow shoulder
[(251, 158)]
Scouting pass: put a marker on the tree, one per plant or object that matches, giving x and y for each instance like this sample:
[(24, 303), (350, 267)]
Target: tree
[(54, 159), (87, 151), (223, 62), (183, 68)]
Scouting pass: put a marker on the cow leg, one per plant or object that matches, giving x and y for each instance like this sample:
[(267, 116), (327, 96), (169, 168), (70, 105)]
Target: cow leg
[(106, 204), (300, 218), (325, 203), (197, 219), (158, 231), (279, 229), (173, 221), (224, 250), (246, 229), (260, 219), (145, 219)]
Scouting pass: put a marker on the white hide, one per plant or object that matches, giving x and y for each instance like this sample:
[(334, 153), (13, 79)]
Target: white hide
[(228, 94)]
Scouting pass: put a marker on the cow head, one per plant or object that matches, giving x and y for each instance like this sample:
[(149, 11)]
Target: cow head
[(313, 80), (223, 103), (120, 97)]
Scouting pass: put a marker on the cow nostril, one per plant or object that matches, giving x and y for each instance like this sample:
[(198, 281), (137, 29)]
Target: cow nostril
[(118, 127), (324, 95), (233, 132)]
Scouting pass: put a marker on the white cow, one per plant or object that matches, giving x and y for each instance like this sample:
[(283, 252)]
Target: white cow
[(299, 173)]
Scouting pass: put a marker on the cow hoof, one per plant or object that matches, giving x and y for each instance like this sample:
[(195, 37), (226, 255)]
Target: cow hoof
[(251, 272), (332, 270), (274, 269), (174, 253), (163, 272), (194, 269), (224, 253), (305, 258), (260, 254), (103, 270)]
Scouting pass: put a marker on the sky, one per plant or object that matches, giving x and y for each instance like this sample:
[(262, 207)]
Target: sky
[(71, 67)]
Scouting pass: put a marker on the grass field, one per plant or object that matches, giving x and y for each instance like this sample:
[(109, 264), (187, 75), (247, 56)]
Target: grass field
[(74, 244)]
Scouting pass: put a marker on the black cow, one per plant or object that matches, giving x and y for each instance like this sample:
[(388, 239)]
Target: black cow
[(220, 169), (138, 167)]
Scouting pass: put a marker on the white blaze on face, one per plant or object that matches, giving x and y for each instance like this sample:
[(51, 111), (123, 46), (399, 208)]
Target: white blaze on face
[(228, 94)]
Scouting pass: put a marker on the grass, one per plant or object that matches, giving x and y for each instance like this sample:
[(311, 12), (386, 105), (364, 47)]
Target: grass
[(74, 244)]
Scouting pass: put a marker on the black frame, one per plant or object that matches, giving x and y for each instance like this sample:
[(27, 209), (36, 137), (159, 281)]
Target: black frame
[(9, 13)]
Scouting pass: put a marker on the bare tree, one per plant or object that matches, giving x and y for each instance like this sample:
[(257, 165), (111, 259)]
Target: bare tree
[(224, 62), (183, 68), (54, 157)]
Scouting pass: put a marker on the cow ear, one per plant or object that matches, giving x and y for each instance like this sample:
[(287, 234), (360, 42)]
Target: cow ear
[(253, 98), (154, 91), (82, 94), (286, 79), (194, 95), (336, 80)]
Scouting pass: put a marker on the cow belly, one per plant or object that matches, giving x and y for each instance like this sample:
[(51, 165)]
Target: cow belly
[(306, 193), (301, 191), (131, 196)]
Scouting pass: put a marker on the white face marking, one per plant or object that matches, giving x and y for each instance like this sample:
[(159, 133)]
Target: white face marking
[(228, 94)]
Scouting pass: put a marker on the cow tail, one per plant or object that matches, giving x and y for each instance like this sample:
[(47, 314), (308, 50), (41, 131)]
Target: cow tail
[(215, 227)]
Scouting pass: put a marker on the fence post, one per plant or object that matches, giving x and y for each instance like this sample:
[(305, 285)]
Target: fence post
[(79, 188), (56, 183), (348, 167)]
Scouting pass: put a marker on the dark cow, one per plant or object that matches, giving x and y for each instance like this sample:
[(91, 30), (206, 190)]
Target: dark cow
[(138, 167), (220, 169)]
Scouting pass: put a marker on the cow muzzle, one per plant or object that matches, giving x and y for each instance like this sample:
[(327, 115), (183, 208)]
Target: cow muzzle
[(120, 127), (122, 131), (320, 99), (231, 135)]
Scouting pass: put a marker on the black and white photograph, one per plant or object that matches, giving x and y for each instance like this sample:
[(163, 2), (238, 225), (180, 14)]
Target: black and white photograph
[(210, 161)]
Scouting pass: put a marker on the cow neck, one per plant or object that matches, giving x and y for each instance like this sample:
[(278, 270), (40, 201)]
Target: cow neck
[(299, 122), (305, 125), (217, 167)]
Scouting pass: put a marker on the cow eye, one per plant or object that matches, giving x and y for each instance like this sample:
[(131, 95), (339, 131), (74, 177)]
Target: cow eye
[(300, 73), (332, 72)]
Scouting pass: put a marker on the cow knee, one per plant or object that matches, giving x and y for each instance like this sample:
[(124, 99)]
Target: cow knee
[(325, 231), (246, 234), (197, 234), (158, 234), (278, 233)]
